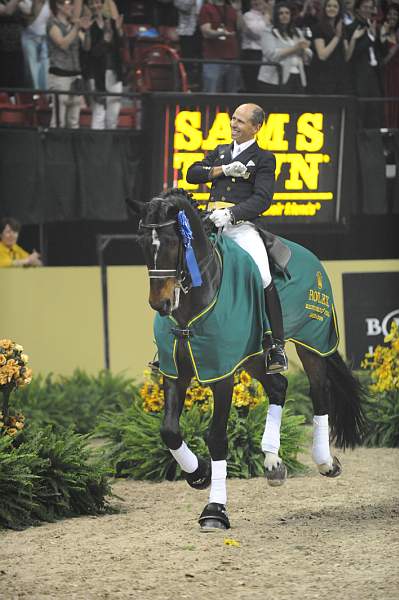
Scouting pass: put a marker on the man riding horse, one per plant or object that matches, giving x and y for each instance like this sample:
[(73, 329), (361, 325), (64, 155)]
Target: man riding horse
[(242, 176)]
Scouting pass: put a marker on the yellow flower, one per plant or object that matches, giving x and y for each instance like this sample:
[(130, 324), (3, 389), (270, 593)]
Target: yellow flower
[(19, 348), (3, 360), (231, 542), (6, 344), (24, 358), (245, 378)]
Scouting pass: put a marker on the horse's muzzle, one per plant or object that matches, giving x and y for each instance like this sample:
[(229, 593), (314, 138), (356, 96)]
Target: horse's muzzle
[(164, 308), (162, 296)]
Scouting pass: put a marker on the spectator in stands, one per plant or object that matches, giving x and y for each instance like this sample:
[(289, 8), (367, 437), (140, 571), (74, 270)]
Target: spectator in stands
[(34, 43), (220, 22), (308, 17), (284, 44), (255, 23), (190, 36), (389, 38), (12, 255), (349, 12), (11, 27), (328, 73), (361, 49), (104, 65), (65, 33)]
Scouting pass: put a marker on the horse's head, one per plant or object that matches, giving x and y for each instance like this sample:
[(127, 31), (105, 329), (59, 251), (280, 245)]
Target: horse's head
[(160, 239)]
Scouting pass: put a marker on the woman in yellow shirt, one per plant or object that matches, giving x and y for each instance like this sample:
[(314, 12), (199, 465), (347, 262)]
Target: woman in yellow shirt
[(12, 255)]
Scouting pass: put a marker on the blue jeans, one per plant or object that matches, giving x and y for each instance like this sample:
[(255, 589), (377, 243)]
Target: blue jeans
[(35, 52), (221, 78)]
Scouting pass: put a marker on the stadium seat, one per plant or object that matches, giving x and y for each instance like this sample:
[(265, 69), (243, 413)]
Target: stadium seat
[(159, 70), (18, 113)]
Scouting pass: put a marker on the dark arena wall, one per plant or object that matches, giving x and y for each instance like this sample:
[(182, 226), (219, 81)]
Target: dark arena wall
[(336, 185)]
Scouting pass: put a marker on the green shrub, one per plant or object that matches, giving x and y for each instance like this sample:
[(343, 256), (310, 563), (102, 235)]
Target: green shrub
[(74, 401), (47, 475), (135, 449), (382, 411)]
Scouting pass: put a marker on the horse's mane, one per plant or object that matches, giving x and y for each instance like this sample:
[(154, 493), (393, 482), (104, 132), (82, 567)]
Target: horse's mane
[(167, 203)]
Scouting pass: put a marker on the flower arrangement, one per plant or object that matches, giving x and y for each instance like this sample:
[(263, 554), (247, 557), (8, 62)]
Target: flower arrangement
[(382, 406), (247, 392), (383, 364), (14, 373)]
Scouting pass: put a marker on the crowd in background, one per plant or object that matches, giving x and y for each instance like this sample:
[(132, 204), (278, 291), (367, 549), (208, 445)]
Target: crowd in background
[(310, 46)]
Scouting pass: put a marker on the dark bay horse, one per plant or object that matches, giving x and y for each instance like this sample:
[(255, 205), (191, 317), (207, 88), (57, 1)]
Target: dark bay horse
[(183, 289)]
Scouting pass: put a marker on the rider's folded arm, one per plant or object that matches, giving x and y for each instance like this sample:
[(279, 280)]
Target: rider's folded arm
[(200, 171)]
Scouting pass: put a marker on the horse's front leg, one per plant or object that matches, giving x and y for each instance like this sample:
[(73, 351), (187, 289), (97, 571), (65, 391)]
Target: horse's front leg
[(214, 516), (197, 470)]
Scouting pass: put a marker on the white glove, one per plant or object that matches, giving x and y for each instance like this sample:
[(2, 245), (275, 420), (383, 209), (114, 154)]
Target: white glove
[(234, 169), (220, 217)]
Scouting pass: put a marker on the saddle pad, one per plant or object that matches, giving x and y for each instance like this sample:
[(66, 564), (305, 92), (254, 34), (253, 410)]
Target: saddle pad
[(232, 327), (229, 330)]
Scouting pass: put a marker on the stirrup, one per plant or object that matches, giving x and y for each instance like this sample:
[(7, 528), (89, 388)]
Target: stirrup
[(154, 367), (276, 359)]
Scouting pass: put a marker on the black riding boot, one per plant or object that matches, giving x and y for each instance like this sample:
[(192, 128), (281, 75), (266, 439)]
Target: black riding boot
[(276, 358)]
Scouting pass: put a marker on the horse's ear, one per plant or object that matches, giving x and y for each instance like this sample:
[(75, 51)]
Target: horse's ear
[(135, 208)]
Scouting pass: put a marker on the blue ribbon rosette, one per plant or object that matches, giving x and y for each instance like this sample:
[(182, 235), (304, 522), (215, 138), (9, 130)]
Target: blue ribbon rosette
[(187, 236)]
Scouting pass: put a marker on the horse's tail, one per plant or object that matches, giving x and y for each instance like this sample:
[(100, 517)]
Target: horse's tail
[(347, 419)]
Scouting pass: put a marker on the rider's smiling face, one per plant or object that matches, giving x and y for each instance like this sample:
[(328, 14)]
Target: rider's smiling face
[(242, 127)]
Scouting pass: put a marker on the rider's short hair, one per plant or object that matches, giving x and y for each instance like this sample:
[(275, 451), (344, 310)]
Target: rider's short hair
[(258, 116)]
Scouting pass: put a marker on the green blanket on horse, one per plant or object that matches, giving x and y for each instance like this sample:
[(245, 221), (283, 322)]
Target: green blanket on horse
[(232, 327)]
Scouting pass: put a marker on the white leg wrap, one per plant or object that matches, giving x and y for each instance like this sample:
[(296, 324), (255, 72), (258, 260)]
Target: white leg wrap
[(218, 491), (321, 440), (271, 435), (186, 459)]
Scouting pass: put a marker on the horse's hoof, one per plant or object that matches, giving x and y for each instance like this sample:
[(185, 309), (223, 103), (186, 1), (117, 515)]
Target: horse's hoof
[(277, 476), (201, 478), (335, 470), (213, 518)]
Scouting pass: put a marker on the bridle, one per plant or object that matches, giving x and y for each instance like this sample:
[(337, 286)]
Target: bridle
[(179, 272)]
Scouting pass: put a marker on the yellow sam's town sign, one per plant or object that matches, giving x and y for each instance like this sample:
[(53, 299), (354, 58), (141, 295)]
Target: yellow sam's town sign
[(297, 141)]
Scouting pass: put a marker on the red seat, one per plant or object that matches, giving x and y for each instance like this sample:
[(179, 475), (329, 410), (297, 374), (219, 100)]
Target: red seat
[(127, 118), (16, 114), (159, 70), (85, 117)]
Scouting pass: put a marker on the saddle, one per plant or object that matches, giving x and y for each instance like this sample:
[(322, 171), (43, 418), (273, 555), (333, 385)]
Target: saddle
[(278, 252)]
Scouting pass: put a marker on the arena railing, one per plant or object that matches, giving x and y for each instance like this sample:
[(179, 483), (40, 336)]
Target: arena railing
[(33, 107)]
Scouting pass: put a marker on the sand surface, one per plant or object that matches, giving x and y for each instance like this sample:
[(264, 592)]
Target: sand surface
[(312, 538)]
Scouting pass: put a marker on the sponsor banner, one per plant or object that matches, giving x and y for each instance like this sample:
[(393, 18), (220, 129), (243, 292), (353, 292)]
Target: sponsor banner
[(307, 139), (371, 303)]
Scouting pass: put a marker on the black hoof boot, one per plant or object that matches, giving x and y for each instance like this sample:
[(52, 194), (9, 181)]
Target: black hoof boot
[(201, 478), (214, 518), (336, 469), (276, 359)]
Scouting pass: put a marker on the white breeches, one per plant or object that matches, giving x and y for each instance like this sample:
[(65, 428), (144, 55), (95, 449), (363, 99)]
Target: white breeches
[(106, 117), (248, 238)]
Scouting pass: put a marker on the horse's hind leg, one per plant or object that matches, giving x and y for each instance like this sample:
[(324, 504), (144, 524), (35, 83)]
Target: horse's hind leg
[(196, 469), (275, 387), (316, 369)]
